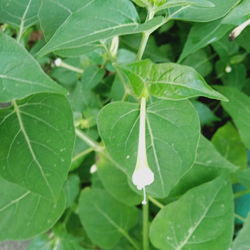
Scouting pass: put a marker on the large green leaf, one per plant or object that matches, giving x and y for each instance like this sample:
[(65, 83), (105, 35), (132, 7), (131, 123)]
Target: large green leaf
[(97, 20), (169, 81), (228, 142), (172, 137), (238, 108), (242, 241), (19, 13), (201, 219), (115, 182), (208, 165), (105, 219), (20, 74), (201, 14), (37, 137), (24, 214)]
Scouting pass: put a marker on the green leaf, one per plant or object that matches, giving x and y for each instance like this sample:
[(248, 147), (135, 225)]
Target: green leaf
[(208, 165), (238, 109), (97, 20), (37, 137), (115, 182), (24, 214), (201, 14), (172, 138), (19, 13), (242, 241), (201, 219), (203, 34), (20, 74), (228, 142), (169, 81), (105, 219)]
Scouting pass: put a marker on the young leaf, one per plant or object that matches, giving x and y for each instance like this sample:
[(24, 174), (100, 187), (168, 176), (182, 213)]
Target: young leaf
[(105, 219), (242, 241), (201, 219), (19, 13), (20, 74), (238, 108), (201, 14), (37, 137), (172, 138), (169, 81), (115, 182), (97, 20), (24, 214), (228, 142)]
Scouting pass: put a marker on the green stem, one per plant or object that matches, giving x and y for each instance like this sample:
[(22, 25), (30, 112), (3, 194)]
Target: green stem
[(145, 212), (145, 36), (156, 203), (96, 147), (81, 154), (241, 193)]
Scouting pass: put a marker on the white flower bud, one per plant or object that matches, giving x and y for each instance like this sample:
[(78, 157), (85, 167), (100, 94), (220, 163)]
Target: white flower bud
[(143, 175), (237, 31)]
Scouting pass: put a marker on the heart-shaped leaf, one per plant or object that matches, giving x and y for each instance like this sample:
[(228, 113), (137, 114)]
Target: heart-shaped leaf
[(172, 137)]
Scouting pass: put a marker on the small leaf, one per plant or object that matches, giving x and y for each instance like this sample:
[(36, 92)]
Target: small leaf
[(167, 81), (172, 136), (115, 182), (104, 218), (238, 109), (201, 219), (24, 214), (71, 189), (20, 74), (37, 137), (242, 241)]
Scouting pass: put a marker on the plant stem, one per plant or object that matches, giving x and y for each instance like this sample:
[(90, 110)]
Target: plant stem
[(145, 212), (81, 154), (241, 193), (145, 36), (155, 202), (96, 147), (239, 217)]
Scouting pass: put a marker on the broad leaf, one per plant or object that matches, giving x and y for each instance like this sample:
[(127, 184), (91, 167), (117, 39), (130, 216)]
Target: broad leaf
[(20, 74), (208, 165), (19, 13), (242, 241), (37, 137), (201, 14), (167, 81), (97, 20), (115, 182), (24, 214), (201, 219), (105, 219), (172, 138), (238, 108), (228, 142)]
